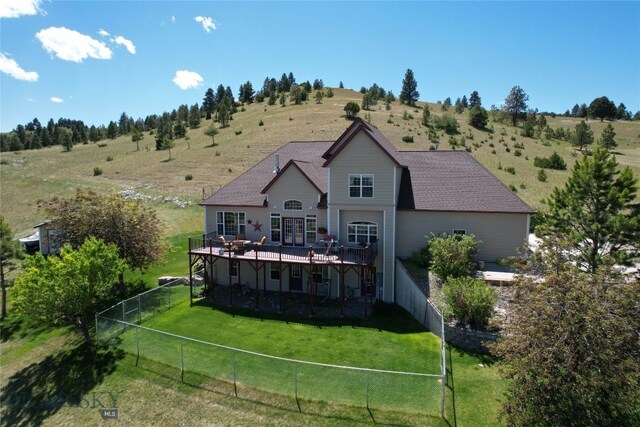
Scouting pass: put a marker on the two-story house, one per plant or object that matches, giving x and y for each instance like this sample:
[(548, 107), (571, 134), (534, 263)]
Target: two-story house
[(334, 215)]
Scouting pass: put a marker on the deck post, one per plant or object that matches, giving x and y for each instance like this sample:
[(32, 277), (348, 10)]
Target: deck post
[(230, 287), (264, 278), (342, 285), (257, 284), (280, 283), (190, 280)]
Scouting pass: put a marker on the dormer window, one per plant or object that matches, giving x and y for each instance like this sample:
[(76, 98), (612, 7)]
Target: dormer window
[(360, 185), (292, 205)]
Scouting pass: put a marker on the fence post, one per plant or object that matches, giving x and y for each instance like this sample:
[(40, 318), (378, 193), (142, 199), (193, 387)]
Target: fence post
[(169, 296), (235, 386), (367, 382), (97, 332), (182, 361), (295, 370), (139, 311), (137, 347), (444, 365), (124, 326)]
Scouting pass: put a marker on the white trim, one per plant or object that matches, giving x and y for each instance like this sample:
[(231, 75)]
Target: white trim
[(526, 231), (394, 202), (383, 247), (292, 210), (339, 225), (206, 230), (329, 201)]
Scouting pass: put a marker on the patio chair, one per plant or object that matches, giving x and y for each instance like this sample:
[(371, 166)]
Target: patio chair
[(229, 246), (258, 245)]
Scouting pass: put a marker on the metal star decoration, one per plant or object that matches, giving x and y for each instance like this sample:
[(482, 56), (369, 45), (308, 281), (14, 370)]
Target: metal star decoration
[(257, 226)]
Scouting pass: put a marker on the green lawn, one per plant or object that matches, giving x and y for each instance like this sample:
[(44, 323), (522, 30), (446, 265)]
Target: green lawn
[(390, 340)]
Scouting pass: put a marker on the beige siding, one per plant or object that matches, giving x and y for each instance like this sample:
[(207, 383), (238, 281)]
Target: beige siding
[(362, 156), (501, 234), (293, 185)]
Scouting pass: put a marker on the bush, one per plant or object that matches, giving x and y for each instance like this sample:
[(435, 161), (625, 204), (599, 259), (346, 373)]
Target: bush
[(420, 258), (446, 122), (552, 162), (188, 177), (238, 132), (542, 175), (407, 138), (97, 171), (453, 255), (260, 123), (513, 188), (510, 169), (469, 301), (109, 158), (517, 153)]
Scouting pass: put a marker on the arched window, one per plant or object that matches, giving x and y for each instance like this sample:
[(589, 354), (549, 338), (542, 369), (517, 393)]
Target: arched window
[(292, 205), (362, 232)]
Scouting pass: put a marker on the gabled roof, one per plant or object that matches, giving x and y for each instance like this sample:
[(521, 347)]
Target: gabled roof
[(376, 136), (453, 181), (246, 190), (314, 174)]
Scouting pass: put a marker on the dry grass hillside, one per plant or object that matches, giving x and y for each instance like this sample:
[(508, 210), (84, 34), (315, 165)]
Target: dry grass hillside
[(32, 175)]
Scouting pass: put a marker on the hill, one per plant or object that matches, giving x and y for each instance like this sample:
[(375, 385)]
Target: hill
[(35, 174)]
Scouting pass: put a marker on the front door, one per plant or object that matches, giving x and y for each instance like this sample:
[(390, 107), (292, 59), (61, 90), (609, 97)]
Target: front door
[(295, 277), (293, 231)]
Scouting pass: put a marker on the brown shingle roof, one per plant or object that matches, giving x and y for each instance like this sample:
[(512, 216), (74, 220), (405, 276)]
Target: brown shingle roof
[(431, 180), (453, 181), (246, 189)]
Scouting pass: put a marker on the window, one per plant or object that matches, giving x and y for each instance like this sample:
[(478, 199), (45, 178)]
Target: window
[(311, 229), (360, 185), (274, 271), (234, 268), (275, 227), (362, 232), (459, 231), (292, 205), (231, 223)]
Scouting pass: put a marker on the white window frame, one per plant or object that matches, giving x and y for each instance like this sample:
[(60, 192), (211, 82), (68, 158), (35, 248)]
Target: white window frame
[(272, 229), (311, 233), (352, 237), (221, 223), (284, 205), (360, 186)]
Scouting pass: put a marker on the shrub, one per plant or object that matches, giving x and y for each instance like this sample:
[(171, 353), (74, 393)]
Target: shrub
[(109, 158), (552, 162), (238, 132), (188, 177), (469, 301), (407, 138), (102, 145), (517, 153), (260, 123), (446, 122), (453, 255), (420, 258), (97, 171), (523, 186), (542, 175), (510, 169), (513, 188)]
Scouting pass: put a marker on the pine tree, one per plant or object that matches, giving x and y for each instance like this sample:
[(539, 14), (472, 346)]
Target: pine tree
[(516, 103), (409, 94), (474, 99), (341, 86), (272, 98), (209, 103), (583, 135), (112, 130), (283, 100), (464, 101), (194, 116), (608, 138), (426, 115), (137, 136)]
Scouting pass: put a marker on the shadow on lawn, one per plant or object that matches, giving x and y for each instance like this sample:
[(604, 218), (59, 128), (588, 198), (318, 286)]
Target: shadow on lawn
[(61, 379), (17, 327), (385, 317)]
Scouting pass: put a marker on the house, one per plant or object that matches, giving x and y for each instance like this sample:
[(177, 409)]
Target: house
[(45, 240), (336, 214)]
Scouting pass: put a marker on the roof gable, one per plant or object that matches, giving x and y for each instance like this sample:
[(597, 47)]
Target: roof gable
[(307, 169), (374, 135)]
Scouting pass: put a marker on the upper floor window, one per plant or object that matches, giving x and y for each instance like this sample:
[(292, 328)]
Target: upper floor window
[(231, 223), (292, 205), (362, 232), (360, 185)]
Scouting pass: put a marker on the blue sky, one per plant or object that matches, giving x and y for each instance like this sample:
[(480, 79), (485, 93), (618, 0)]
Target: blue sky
[(56, 63)]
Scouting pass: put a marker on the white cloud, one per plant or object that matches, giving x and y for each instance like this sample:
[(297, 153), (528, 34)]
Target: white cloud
[(126, 43), (17, 8), (30, 99), (103, 33), (207, 23), (187, 79), (71, 45), (173, 19), (11, 68), (56, 100)]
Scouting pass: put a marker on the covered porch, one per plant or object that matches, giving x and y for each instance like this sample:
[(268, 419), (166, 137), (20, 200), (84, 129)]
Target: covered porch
[(208, 250)]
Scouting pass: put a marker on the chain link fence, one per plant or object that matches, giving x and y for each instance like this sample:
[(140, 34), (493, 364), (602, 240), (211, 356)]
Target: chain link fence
[(243, 370)]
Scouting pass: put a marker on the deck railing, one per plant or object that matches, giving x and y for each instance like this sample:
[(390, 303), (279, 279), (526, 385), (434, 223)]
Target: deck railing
[(318, 252)]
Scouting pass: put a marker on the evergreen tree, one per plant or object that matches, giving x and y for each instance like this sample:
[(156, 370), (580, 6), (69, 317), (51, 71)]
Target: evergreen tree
[(474, 99), (583, 111), (112, 130), (179, 131), (212, 131), (409, 94), (446, 104), (123, 124), (65, 138), (318, 84), (224, 112), (597, 209), (137, 136), (478, 117), (272, 98), (329, 93), (283, 100), (352, 109), (45, 140), (426, 115), (583, 135), (608, 139), (622, 113), (341, 86), (164, 132), (516, 103), (464, 101), (9, 249), (458, 107), (247, 93), (291, 79), (220, 94), (295, 94), (367, 101), (319, 95), (283, 84), (575, 111), (194, 116), (602, 108)]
